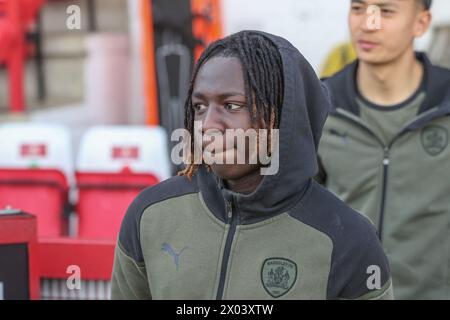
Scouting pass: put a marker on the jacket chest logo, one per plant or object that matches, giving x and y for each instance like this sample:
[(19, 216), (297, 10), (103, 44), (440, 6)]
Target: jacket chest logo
[(434, 139), (171, 252), (342, 136), (278, 276)]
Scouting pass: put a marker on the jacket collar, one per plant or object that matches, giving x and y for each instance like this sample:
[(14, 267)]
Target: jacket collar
[(343, 87)]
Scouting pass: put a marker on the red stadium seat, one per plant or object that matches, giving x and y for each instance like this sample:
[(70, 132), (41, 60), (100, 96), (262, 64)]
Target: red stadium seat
[(104, 199), (35, 161), (40, 192), (114, 164)]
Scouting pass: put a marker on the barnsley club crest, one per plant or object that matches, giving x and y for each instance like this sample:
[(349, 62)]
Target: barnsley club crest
[(278, 276), (434, 139)]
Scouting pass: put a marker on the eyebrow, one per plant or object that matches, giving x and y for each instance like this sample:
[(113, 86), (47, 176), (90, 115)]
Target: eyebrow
[(221, 96)]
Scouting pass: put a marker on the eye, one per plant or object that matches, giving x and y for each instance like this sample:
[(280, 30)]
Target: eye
[(387, 12), (199, 107), (357, 8), (233, 106)]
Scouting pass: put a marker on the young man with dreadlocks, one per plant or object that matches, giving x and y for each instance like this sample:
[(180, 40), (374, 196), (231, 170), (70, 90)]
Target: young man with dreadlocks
[(385, 145), (225, 231)]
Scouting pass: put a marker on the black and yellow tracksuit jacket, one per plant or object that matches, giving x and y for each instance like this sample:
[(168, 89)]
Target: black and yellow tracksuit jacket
[(290, 239)]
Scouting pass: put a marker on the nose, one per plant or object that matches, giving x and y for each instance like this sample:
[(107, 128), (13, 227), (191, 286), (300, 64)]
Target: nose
[(213, 119), (371, 20), (212, 125)]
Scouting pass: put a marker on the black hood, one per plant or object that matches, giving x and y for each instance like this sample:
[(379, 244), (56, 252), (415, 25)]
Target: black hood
[(437, 86), (305, 106)]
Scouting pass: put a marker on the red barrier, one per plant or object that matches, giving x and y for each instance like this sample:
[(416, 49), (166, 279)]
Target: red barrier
[(63, 259), (93, 257)]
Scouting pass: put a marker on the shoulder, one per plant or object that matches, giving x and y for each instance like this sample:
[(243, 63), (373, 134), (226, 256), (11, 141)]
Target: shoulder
[(356, 247), (324, 211), (438, 80), (340, 79), (439, 85), (129, 237), (342, 86), (442, 74)]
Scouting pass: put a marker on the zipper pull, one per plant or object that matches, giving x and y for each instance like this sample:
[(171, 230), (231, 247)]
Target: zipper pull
[(229, 210), (386, 160)]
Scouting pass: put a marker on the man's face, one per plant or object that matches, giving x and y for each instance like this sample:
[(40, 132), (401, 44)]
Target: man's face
[(219, 102), (400, 22)]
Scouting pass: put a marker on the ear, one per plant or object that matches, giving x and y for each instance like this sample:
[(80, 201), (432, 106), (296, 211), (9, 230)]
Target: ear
[(422, 23)]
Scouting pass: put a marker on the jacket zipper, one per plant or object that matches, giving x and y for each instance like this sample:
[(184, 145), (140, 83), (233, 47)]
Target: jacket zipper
[(386, 160), (385, 164), (232, 221)]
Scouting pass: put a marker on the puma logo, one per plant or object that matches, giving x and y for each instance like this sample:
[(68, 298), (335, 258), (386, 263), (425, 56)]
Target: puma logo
[(176, 256)]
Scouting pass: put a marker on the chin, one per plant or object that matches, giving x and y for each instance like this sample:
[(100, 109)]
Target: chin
[(226, 171), (232, 171), (376, 57), (367, 56), (372, 58)]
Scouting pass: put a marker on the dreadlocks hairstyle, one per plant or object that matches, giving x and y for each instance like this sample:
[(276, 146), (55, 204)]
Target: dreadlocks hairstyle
[(263, 78)]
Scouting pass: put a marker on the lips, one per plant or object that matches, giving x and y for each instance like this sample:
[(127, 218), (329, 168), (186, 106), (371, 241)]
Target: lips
[(210, 139), (205, 144), (222, 157), (213, 153), (367, 45)]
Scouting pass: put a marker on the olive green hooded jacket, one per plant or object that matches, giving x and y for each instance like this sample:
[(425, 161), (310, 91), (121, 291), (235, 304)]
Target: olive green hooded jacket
[(402, 186), (289, 239)]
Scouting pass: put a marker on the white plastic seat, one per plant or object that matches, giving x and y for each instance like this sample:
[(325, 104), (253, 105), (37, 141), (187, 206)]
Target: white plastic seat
[(32, 145), (36, 169), (110, 149), (114, 164)]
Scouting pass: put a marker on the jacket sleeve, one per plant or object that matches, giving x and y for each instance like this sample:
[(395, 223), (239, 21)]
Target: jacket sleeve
[(361, 271), (384, 293), (129, 278)]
